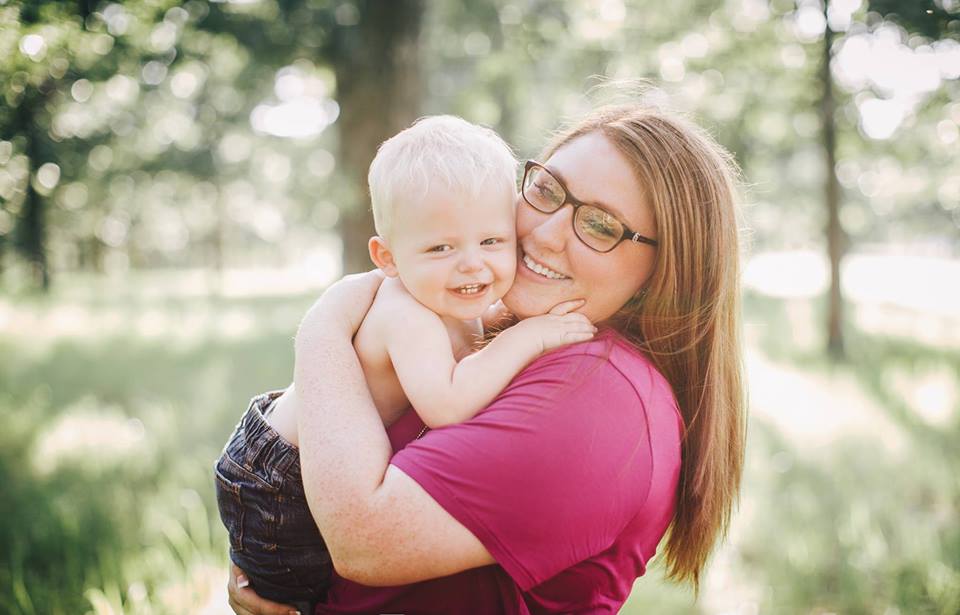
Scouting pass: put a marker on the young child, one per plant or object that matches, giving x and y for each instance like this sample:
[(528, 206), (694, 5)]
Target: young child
[(443, 194)]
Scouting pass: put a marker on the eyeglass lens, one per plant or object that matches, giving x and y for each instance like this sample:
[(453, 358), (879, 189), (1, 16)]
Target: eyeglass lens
[(595, 227)]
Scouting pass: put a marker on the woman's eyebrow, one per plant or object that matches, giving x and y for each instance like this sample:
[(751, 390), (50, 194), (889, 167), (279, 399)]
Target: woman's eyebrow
[(604, 206)]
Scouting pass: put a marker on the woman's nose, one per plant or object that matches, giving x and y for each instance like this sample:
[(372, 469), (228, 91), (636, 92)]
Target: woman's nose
[(554, 229)]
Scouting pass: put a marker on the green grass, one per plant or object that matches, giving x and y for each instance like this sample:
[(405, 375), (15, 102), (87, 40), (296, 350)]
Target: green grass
[(114, 403), (107, 445), (868, 524)]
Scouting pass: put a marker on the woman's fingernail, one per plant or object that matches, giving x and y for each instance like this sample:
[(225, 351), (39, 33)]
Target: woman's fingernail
[(242, 581), (295, 613)]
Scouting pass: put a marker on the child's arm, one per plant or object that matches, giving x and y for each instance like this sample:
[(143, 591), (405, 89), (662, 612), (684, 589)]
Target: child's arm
[(444, 392)]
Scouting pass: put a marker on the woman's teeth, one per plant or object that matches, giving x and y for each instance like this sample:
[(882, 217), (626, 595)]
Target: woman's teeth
[(538, 268), (470, 289)]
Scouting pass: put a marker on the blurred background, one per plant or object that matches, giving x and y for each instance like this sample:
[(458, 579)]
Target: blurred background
[(179, 181)]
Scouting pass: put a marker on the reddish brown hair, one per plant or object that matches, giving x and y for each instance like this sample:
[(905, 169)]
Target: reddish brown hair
[(687, 316)]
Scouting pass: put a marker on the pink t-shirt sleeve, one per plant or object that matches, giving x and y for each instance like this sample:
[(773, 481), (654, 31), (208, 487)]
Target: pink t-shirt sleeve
[(552, 471)]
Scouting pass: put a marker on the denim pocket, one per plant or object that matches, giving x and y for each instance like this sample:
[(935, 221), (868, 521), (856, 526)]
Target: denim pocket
[(309, 565), (231, 508)]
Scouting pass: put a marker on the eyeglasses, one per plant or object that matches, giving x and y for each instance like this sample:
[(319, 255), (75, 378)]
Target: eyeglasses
[(597, 228)]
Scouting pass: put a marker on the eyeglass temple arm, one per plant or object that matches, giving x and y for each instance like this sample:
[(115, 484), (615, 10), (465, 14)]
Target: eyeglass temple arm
[(638, 238)]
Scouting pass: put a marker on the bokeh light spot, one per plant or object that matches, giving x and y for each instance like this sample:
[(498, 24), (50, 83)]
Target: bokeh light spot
[(81, 90), (48, 175), (476, 44), (33, 46), (879, 119), (154, 72)]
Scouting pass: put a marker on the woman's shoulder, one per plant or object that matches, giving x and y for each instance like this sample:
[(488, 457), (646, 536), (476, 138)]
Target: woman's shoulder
[(596, 386), (606, 356)]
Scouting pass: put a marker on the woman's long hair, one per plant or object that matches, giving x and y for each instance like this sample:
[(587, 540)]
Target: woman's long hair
[(687, 316)]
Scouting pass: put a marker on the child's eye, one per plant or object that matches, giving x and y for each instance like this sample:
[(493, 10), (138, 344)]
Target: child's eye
[(491, 241), (442, 248)]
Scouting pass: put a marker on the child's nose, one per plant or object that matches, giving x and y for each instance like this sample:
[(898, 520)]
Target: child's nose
[(470, 262)]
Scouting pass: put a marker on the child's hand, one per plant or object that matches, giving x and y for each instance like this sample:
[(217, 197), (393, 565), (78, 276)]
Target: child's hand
[(561, 326)]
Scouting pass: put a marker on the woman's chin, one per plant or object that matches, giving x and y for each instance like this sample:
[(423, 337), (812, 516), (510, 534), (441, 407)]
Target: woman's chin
[(524, 301)]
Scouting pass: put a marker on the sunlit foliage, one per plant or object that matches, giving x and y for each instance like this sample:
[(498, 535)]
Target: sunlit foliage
[(149, 134)]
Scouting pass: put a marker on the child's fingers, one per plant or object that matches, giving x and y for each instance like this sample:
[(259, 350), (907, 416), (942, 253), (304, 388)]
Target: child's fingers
[(567, 306), (572, 337), (582, 329), (579, 327), (574, 317)]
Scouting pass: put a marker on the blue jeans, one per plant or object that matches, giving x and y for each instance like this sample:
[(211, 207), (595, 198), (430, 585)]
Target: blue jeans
[(273, 537)]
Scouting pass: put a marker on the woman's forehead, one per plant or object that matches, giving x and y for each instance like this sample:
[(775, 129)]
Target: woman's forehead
[(596, 172)]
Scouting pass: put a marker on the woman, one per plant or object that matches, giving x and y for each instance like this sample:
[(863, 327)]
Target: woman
[(554, 498)]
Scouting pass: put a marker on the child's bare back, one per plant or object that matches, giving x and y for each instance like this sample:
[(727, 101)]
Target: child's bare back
[(395, 307)]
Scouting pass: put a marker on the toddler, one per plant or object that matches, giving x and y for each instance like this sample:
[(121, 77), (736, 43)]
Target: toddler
[(443, 193)]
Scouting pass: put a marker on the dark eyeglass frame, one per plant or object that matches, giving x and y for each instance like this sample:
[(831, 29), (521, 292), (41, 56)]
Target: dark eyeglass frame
[(568, 198)]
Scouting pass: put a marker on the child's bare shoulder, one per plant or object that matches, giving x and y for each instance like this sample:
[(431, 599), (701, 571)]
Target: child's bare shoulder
[(394, 306)]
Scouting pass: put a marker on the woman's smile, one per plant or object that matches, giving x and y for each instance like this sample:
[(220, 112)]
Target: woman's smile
[(541, 269)]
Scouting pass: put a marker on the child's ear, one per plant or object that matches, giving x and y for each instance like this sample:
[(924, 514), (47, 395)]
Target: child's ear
[(381, 256)]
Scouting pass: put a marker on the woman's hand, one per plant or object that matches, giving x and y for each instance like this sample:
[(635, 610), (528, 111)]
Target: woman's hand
[(244, 601), (342, 306)]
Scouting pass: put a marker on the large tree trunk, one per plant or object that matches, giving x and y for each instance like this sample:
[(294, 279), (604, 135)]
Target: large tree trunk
[(32, 235), (835, 234), (377, 67), (31, 227)]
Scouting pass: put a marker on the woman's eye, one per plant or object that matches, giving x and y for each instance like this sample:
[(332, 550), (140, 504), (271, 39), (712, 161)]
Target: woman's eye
[(547, 191), (599, 224), (602, 228), (491, 241), (442, 248)]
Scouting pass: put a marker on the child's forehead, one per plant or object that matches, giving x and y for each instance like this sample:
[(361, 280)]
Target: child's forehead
[(455, 214), (441, 201)]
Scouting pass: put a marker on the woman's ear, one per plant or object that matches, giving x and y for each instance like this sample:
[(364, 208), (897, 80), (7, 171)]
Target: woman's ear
[(381, 256)]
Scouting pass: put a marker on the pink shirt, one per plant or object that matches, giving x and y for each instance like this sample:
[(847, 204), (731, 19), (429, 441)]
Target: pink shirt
[(568, 478)]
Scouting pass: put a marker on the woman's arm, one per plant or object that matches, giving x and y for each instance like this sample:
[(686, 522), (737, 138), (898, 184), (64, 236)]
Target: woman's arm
[(380, 526)]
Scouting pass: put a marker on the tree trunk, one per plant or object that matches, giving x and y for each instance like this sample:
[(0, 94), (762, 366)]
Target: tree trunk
[(835, 234), (377, 67), (95, 260), (218, 243), (31, 227), (32, 235)]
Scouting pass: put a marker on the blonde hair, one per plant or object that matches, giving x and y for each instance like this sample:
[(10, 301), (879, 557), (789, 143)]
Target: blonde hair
[(687, 316), (444, 150)]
